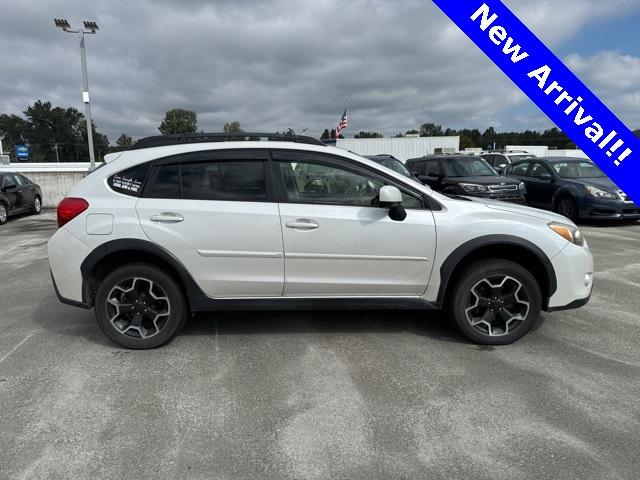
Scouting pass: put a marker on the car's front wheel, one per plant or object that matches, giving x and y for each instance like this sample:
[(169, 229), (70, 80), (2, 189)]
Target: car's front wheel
[(140, 306), (568, 207), (495, 302)]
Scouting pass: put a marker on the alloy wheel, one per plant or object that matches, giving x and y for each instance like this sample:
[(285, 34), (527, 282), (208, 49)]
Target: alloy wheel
[(567, 208), (138, 307), (3, 214), (497, 305), (37, 206)]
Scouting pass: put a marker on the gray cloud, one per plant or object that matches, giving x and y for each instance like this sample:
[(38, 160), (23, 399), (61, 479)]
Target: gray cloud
[(272, 64)]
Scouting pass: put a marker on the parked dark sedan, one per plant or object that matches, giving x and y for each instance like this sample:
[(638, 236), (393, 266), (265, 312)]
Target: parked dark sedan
[(18, 194), (466, 175), (573, 187), (392, 163)]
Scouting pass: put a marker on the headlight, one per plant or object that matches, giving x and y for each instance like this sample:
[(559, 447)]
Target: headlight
[(572, 234), (522, 187), (596, 192), (473, 188)]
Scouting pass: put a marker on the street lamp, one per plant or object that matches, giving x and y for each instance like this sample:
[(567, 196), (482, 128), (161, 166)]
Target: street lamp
[(90, 27)]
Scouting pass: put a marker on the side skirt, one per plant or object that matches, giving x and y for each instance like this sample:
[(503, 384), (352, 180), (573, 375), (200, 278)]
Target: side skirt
[(314, 303)]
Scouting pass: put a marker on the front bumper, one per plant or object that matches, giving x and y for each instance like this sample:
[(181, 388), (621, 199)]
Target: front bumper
[(609, 209), (572, 266)]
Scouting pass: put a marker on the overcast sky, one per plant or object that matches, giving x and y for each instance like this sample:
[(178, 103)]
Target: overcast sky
[(277, 64)]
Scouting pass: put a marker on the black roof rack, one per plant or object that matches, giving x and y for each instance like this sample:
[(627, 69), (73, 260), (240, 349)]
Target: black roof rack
[(182, 139)]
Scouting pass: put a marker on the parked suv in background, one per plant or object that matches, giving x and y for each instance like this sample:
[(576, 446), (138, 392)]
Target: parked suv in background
[(393, 163), (500, 159), (573, 187), (185, 224), (18, 194), (465, 175)]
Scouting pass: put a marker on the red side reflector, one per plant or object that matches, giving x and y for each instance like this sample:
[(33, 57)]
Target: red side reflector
[(69, 208)]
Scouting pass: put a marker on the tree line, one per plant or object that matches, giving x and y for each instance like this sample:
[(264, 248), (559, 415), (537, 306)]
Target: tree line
[(60, 134)]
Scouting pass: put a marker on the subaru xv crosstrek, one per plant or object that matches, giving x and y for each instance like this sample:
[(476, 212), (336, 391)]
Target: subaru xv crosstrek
[(207, 222)]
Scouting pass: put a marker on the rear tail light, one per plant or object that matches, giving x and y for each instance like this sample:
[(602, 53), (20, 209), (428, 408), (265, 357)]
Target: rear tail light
[(69, 208)]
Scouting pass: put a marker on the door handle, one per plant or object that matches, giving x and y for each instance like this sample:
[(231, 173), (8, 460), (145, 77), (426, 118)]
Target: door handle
[(303, 225), (167, 217)]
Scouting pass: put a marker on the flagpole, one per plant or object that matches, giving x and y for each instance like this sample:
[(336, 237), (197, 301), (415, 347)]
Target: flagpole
[(346, 108)]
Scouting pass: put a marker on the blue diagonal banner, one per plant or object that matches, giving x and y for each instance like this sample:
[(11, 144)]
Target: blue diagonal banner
[(552, 87)]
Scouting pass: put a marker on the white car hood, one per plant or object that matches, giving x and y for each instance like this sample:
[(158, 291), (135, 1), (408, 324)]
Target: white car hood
[(522, 210)]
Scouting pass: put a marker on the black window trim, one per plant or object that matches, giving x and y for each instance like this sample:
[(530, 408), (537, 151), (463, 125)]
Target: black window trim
[(212, 156), (337, 161)]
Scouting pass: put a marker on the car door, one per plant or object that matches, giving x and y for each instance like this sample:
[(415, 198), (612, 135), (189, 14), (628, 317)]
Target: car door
[(541, 186), (215, 212), (12, 193), (337, 241), (26, 189)]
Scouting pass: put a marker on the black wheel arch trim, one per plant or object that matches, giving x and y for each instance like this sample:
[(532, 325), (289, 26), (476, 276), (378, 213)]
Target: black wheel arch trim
[(195, 296), (460, 253)]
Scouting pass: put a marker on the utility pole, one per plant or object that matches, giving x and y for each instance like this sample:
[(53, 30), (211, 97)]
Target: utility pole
[(55, 147), (90, 28)]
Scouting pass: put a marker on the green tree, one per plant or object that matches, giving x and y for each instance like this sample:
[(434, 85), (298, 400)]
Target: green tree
[(431, 130), (232, 127), (14, 128), (637, 132), (368, 135), (326, 135), (124, 141), (413, 131), (178, 121)]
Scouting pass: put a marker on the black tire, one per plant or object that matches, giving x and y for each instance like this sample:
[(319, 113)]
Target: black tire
[(4, 213), (473, 289), (37, 205), (568, 207), (151, 289)]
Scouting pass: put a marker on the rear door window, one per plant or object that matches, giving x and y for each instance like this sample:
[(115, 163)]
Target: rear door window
[(167, 183), (232, 181)]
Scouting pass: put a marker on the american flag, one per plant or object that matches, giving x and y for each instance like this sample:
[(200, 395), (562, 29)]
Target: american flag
[(342, 124)]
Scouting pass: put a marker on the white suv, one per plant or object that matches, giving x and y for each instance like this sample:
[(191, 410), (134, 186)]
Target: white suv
[(185, 224)]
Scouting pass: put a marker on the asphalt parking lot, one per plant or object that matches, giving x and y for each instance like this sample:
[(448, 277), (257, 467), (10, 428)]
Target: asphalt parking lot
[(330, 395)]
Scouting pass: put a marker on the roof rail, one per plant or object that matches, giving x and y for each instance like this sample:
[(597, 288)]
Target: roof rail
[(183, 139)]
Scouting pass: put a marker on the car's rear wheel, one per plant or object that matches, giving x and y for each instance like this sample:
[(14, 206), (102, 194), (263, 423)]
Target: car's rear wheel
[(37, 206), (568, 207), (139, 306), (495, 302), (3, 214)]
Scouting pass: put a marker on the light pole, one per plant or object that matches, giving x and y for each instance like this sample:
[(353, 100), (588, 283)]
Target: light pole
[(90, 28), (1, 138)]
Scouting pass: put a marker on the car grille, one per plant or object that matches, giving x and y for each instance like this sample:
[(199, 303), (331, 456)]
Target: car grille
[(503, 188), (624, 196)]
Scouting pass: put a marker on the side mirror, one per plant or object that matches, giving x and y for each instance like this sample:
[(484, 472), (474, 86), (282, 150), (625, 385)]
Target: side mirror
[(546, 177), (8, 187), (390, 197)]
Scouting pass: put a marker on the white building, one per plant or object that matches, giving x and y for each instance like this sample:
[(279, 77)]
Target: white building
[(402, 148), (544, 151)]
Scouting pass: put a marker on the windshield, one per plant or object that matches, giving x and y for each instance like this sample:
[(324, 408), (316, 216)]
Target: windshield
[(578, 170), (467, 167), (395, 165)]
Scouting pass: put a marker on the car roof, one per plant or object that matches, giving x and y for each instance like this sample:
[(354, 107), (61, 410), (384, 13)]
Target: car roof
[(565, 159), (119, 161)]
